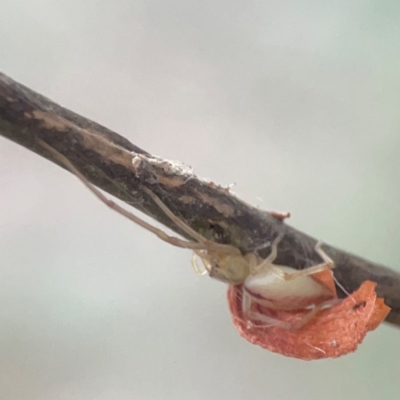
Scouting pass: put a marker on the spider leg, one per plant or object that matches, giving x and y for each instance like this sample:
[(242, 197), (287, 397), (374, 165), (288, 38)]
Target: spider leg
[(173, 240), (321, 253), (327, 265), (274, 250), (252, 315), (308, 271), (186, 228), (178, 222), (267, 262), (311, 314), (247, 300)]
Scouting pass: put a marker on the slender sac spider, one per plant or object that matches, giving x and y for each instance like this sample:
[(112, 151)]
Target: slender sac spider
[(265, 284)]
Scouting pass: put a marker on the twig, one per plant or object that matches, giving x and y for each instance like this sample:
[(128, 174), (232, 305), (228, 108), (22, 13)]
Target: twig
[(108, 161)]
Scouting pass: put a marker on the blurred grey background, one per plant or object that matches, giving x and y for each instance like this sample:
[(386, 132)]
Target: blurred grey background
[(297, 102)]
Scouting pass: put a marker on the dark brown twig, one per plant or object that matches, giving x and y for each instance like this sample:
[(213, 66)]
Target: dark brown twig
[(108, 160)]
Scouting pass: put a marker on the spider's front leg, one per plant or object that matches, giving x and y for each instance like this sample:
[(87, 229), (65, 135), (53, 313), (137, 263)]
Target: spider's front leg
[(198, 242)]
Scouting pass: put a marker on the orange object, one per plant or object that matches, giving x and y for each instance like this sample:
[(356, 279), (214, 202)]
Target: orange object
[(332, 332)]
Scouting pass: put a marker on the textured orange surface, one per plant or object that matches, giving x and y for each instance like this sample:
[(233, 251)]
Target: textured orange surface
[(333, 332)]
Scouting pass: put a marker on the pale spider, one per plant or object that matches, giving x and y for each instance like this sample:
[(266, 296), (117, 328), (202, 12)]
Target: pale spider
[(276, 287)]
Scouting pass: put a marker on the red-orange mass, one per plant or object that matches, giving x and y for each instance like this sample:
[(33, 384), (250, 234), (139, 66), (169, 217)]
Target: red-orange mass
[(332, 332)]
